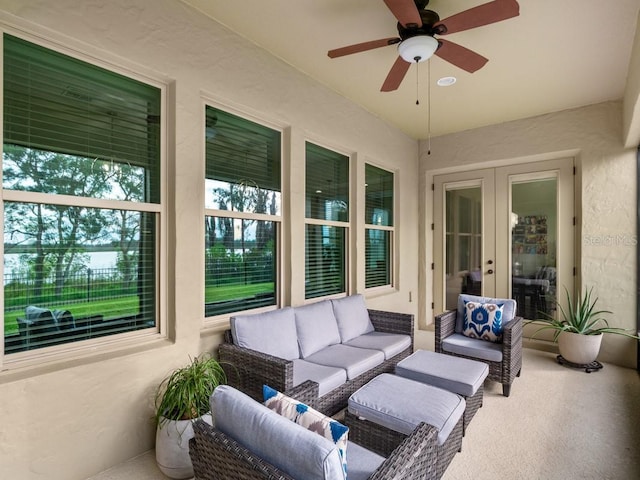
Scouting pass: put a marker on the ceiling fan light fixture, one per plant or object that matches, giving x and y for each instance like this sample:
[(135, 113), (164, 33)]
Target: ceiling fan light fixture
[(417, 49)]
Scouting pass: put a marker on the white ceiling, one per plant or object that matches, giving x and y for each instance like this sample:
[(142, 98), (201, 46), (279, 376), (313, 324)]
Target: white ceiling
[(557, 54)]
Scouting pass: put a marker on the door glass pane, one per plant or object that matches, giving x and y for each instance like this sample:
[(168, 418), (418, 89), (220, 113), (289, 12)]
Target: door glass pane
[(533, 246), (463, 243)]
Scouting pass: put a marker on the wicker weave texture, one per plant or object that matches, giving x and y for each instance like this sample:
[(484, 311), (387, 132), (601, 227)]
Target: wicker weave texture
[(383, 440), (216, 456), (503, 372)]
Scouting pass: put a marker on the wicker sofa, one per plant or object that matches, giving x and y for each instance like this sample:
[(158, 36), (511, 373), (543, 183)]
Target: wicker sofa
[(320, 353), (250, 441)]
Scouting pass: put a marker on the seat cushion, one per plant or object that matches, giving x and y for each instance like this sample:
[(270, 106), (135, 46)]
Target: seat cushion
[(400, 404), (308, 418), (316, 326), (483, 321), (354, 360), (292, 448), (273, 333), (472, 347), (457, 375), (388, 343), (327, 378), (352, 317), (362, 462), (508, 310)]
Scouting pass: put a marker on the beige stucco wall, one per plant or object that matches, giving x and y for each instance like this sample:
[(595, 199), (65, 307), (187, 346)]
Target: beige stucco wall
[(605, 198), (80, 416)]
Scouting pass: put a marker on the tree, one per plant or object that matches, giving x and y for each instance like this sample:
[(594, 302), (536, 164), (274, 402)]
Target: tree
[(53, 231)]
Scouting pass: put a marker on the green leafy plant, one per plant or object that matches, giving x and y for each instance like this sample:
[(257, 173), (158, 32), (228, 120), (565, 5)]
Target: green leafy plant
[(580, 317), (184, 394)]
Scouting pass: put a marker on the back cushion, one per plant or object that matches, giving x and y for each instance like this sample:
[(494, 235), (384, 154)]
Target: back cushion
[(508, 308), (309, 418), (272, 332), (293, 449), (316, 326), (352, 317)]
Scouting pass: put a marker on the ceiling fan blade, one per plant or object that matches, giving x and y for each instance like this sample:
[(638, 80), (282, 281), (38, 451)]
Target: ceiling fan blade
[(485, 14), (460, 56), (396, 75), (406, 12), (363, 47)]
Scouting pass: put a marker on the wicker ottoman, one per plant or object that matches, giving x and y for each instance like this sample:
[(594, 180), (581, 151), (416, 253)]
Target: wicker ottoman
[(458, 375), (382, 413)]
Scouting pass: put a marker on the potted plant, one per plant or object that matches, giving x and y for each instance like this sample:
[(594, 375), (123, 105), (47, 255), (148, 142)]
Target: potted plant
[(579, 328), (181, 398)]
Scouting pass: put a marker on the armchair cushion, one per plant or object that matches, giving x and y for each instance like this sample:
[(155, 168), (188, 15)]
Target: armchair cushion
[(271, 332), (309, 418), (472, 347), (316, 326), (508, 308), (275, 438), (352, 317), (483, 321)]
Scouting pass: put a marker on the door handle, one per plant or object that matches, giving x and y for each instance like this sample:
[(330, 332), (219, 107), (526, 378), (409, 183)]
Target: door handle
[(489, 272), (490, 262)]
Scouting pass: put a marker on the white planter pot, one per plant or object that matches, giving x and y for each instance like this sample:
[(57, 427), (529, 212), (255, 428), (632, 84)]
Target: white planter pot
[(172, 447), (579, 349)]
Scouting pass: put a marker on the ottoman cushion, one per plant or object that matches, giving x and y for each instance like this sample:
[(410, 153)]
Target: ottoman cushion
[(458, 375), (400, 404)]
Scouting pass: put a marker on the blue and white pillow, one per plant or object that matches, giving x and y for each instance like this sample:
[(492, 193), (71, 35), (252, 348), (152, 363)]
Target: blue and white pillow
[(308, 418), (483, 321)]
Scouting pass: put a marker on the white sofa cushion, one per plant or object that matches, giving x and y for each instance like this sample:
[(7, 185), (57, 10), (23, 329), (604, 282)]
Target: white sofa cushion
[(327, 378), (352, 316), (271, 332), (316, 326), (297, 451), (354, 360), (388, 343)]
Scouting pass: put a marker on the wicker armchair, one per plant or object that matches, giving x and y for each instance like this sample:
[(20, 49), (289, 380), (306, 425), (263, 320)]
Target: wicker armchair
[(504, 371), (248, 370), (215, 456)]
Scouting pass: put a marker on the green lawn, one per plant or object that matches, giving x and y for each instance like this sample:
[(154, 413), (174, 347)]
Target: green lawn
[(124, 306), (116, 307)]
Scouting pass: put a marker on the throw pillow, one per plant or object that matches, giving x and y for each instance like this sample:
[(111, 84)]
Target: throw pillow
[(483, 320), (308, 418)]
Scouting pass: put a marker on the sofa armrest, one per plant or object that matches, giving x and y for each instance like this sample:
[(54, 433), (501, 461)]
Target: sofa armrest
[(415, 458), (306, 392), (445, 325), (392, 322), (512, 348), (248, 370)]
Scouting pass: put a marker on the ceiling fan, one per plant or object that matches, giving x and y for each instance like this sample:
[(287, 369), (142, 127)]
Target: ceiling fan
[(417, 28)]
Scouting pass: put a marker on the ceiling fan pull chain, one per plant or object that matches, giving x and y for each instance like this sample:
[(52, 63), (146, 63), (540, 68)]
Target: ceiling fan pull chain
[(429, 107), (417, 83)]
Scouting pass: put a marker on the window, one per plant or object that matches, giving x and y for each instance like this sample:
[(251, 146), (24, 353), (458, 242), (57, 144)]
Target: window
[(81, 199), (243, 213), (379, 230), (327, 217)]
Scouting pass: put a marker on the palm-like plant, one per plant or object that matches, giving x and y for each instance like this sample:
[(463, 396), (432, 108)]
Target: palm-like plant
[(580, 317), (185, 393)]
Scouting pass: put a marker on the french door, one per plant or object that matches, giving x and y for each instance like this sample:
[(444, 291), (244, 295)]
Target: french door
[(505, 232)]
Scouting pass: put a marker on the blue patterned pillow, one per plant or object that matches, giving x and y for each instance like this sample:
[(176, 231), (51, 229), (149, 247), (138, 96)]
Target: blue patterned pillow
[(308, 418), (483, 320)]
